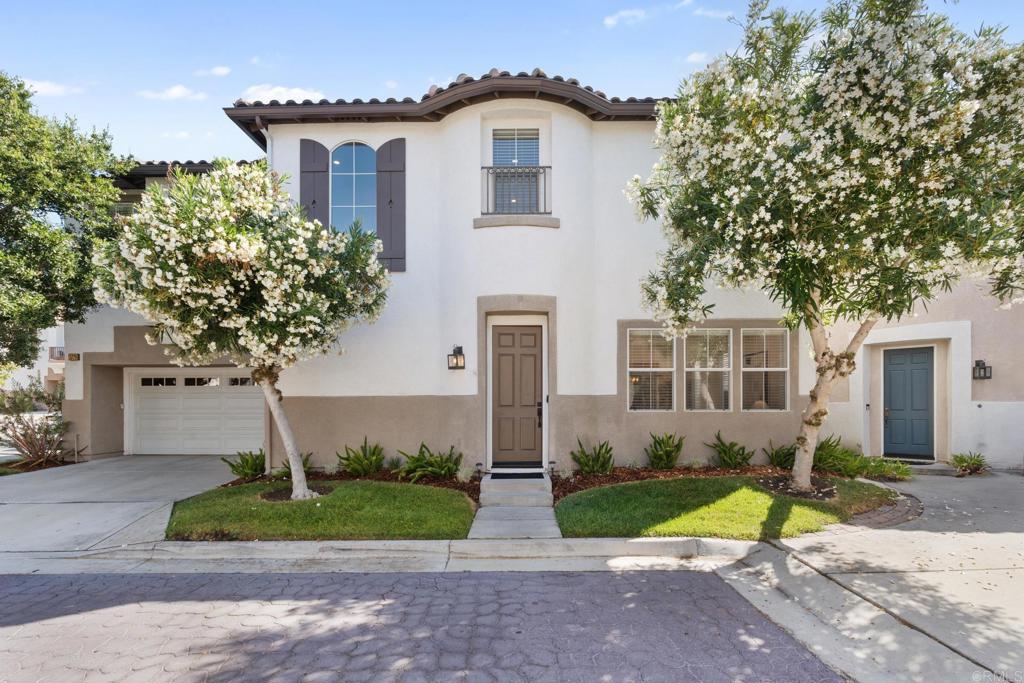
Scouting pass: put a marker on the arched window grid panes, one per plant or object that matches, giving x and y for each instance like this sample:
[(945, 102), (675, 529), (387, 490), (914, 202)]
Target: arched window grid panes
[(354, 186)]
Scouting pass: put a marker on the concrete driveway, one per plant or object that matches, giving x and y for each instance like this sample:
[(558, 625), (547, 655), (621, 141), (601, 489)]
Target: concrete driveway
[(955, 573), (102, 503)]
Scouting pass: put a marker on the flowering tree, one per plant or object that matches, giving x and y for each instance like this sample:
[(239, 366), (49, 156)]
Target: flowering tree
[(850, 166), (225, 264)]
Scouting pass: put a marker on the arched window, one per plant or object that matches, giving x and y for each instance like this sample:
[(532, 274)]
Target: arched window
[(354, 186)]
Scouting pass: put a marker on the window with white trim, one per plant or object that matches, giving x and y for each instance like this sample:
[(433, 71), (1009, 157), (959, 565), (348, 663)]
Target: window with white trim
[(708, 371), (765, 369), (651, 369)]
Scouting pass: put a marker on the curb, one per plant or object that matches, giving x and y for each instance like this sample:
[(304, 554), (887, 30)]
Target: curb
[(527, 555)]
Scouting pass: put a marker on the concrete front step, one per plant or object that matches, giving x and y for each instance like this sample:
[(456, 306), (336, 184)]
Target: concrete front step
[(515, 522), (515, 499), (534, 485)]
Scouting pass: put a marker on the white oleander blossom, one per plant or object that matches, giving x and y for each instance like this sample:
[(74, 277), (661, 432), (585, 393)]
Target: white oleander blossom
[(872, 156), (225, 264)]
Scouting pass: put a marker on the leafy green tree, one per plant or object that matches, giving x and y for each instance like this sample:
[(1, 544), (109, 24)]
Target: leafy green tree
[(56, 194), (850, 165), (226, 264)]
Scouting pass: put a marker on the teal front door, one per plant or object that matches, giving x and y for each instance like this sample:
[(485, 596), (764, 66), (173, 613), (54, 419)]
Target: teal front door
[(909, 414)]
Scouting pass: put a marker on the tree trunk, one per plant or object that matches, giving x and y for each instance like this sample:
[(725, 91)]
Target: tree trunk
[(268, 381), (831, 367)]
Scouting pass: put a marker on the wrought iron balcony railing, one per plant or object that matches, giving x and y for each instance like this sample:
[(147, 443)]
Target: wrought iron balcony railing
[(516, 190), (57, 353)]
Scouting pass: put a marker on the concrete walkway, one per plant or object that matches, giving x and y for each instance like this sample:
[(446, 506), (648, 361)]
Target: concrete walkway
[(102, 503), (515, 508), (955, 573)]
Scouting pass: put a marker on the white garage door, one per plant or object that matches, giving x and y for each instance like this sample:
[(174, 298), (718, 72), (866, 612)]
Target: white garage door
[(198, 410)]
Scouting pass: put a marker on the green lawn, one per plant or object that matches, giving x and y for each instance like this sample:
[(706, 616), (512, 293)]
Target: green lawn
[(723, 507), (352, 510)]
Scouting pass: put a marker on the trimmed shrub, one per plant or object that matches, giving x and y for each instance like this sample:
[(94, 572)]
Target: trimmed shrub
[(598, 460), (393, 464), (364, 461), (730, 454), (285, 472), (426, 463), (248, 464), (969, 463), (832, 456), (664, 451), (781, 456), (885, 469)]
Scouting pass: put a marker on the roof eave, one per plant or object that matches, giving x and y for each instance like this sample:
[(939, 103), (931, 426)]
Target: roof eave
[(254, 118)]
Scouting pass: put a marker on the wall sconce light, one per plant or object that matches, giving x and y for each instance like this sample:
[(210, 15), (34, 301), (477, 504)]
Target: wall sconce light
[(981, 371), (456, 359)]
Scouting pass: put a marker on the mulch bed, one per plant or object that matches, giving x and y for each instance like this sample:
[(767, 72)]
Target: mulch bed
[(822, 489), (562, 486), (471, 488), (22, 466)]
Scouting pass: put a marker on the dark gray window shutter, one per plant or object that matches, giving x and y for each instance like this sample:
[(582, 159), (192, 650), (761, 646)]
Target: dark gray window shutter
[(391, 203), (314, 180)]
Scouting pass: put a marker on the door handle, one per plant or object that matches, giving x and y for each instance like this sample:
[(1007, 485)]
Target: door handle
[(885, 416), (540, 414)]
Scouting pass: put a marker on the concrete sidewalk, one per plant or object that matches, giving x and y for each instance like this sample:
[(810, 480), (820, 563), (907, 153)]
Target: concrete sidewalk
[(954, 574)]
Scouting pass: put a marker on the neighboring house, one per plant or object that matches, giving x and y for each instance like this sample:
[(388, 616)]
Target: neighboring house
[(514, 321), (49, 366)]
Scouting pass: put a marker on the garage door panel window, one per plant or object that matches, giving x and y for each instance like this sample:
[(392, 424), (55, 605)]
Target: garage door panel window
[(708, 369), (651, 371), (240, 382), (765, 369), (158, 381), (202, 381)]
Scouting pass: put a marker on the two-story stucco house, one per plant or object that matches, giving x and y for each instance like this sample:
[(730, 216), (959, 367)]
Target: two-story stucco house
[(514, 322)]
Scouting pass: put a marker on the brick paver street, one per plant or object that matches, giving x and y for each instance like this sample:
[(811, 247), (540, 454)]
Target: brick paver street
[(640, 626)]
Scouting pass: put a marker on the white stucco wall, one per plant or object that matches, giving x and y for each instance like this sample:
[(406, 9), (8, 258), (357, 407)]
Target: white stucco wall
[(592, 263)]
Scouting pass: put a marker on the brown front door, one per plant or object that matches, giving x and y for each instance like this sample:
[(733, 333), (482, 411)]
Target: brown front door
[(517, 358)]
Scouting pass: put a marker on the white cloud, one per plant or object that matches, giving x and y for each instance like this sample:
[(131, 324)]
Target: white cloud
[(177, 134), (696, 57), (51, 89), (390, 85), (625, 16), (264, 92), (175, 92), (214, 71), (712, 13)]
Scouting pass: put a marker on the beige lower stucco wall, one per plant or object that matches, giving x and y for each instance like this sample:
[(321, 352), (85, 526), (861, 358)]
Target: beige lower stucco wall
[(324, 425)]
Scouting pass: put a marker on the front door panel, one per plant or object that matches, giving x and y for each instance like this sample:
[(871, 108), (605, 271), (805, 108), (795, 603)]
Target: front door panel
[(517, 362), (908, 418)]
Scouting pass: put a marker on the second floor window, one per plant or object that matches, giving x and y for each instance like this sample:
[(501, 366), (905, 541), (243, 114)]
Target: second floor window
[(516, 182), (354, 186)]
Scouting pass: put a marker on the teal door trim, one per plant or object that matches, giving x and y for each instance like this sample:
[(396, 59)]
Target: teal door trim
[(908, 402)]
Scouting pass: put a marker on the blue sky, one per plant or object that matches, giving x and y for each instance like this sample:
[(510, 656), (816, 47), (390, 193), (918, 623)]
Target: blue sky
[(157, 74)]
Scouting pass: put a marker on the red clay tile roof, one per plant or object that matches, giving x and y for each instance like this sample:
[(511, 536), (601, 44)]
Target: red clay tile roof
[(438, 102)]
